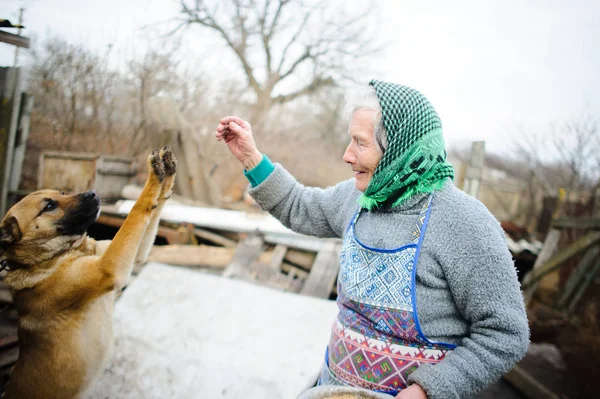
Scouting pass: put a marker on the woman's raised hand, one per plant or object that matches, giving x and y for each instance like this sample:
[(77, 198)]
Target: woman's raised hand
[(237, 133)]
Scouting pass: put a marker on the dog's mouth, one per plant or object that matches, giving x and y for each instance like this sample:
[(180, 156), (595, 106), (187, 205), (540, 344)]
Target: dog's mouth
[(77, 220)]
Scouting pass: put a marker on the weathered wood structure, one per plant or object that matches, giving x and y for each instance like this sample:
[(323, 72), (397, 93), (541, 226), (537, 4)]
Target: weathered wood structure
[(549, 261), (15, 109)]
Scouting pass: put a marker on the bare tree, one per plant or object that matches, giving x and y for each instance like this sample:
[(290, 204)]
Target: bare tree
[(566, 158), (286, 48), (151, 76), (71, 85)]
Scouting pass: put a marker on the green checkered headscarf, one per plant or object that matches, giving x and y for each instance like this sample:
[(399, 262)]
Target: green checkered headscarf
[(415, 160)]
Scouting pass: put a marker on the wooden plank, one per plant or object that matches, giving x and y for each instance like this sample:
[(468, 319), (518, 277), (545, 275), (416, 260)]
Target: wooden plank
[(301, 258), (547, 251), (15, 40), (324, 272), (305, 243), (528, 385), (192, 255), (580, 245), (588, 278), (68, 155), (215, 238), (586, 263), (277, 257), (245, 255), (579, 223)]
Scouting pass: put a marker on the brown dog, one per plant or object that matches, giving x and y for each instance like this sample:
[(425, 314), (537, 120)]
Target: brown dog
[(64, 283)]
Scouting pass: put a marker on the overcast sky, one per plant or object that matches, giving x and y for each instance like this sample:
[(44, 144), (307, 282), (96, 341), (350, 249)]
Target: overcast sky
[(487, 66)]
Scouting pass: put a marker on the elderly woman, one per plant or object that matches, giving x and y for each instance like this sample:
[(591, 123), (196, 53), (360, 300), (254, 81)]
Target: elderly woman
[(428, 297)]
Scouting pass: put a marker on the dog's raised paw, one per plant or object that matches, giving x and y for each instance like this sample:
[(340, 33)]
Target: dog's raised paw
[(155, 164), (169, 160)]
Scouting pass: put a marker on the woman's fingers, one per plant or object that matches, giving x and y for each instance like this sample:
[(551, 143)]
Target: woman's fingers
[(236, 128), (222, 131), (237, 120), (221, 127), (231, 127)]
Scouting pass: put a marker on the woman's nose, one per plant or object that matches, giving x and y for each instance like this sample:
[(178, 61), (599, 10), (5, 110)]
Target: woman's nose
[(349, 156)]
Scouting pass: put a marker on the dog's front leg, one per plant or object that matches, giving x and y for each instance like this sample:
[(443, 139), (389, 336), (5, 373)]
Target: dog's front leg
[(117, 262), (170, 165)]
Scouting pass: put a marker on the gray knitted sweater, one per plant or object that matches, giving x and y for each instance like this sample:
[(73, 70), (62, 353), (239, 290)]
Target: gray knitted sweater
[(467, 290)]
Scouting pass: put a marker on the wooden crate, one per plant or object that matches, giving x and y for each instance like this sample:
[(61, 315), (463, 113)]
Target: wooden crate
[(76, 172)]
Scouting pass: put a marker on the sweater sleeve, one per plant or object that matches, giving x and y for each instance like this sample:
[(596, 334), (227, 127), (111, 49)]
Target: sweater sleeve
[(259, 173), (306, 210), (481, 276)]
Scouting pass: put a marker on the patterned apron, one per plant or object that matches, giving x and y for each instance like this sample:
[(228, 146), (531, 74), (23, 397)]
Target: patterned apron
[(376, 341)]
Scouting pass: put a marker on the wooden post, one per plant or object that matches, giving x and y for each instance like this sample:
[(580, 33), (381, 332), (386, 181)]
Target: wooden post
[(10, 101), (19, 149), (546, 253), (475, 169)]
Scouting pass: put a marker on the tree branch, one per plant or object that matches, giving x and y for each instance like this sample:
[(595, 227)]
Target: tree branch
[(292, 41), (315, 85), (194, 16)]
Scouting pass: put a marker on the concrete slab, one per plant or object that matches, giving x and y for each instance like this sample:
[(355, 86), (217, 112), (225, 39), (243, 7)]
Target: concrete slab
[(185, 334)]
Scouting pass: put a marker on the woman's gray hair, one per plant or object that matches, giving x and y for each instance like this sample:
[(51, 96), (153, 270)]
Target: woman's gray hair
[(365, 97)]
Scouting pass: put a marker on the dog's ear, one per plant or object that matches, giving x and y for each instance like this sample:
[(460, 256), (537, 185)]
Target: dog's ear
[(9, 232)]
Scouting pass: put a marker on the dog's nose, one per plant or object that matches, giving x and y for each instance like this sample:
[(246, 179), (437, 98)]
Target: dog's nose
[(90, 194)]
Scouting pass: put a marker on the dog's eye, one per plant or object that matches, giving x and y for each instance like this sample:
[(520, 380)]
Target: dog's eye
[(51, 205)]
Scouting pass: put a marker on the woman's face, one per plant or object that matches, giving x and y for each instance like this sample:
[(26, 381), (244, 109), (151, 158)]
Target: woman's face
[(363, 153)]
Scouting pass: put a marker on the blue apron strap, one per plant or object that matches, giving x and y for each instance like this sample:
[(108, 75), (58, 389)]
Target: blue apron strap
[(354, 219), (421, 220)]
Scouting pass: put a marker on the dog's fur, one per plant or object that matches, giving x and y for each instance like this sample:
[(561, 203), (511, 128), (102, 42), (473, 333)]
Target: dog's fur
[(64, 283)]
